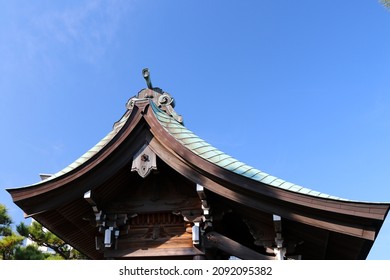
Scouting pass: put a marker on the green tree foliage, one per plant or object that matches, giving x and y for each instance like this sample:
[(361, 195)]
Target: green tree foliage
[(9, 241), (386, 3), (42, 237), (8, 245), (30, 252), (5, 221)]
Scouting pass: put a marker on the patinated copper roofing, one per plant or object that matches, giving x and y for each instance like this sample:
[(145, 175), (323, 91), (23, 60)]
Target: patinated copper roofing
[(205, 150), (201, 148)]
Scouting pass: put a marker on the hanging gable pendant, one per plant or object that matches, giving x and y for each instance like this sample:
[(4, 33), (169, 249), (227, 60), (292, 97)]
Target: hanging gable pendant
[(144, 161)]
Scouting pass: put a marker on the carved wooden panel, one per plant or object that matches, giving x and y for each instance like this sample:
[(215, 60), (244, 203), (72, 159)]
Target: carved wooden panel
[(155, 230)]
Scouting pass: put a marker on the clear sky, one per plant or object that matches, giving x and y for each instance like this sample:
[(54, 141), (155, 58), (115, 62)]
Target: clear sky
[(298, 89)]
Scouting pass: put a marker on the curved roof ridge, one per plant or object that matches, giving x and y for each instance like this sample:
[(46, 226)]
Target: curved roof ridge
[(219, 158), (199, 147), (91, 152)]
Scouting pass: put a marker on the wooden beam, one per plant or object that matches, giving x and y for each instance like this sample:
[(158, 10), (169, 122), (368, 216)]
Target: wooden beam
[(219, 241), (153, 253)]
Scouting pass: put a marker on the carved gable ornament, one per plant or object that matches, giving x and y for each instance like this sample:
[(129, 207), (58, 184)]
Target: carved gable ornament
[(144, 161)]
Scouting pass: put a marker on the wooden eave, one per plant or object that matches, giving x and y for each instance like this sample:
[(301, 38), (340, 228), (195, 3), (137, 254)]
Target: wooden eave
[(72, 185), (330, 214), (358, 219)]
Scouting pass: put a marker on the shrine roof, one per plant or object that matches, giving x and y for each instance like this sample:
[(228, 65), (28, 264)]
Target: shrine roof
[(150, 119), (162, 105), (89, 154), (198, 146), (208, 152)]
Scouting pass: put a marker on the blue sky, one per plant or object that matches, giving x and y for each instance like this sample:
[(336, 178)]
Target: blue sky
[(298, 89)]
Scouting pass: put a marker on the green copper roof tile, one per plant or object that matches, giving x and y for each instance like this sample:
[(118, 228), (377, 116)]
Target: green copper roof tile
[(67, 169), (96, 149), (304, 190), (268, 179), (189, 141), (217, 158), (161, 115), (234, 165), (242, 169), (196, 145), (324, 195), (204, 149), (250, 172), (177, 130), (259, 176), (315, 193), (221, 157), (286, 185), (277, 182), (74, 165), (184, 135), (172, 124), (213, 155), (295, 188), (226, 162)]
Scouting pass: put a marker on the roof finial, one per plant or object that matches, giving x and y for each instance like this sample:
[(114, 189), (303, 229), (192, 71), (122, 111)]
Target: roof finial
[(163, 100), (146, 74)]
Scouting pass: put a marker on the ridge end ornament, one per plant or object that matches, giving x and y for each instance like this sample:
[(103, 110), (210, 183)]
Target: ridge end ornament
[(144, 161), (162, 99)]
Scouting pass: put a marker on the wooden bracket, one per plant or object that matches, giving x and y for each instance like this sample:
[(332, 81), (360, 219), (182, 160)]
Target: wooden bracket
[(279, 250)]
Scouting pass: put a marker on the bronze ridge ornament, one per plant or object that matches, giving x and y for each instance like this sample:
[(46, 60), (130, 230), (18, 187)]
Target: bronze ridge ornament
[(162, 99)]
